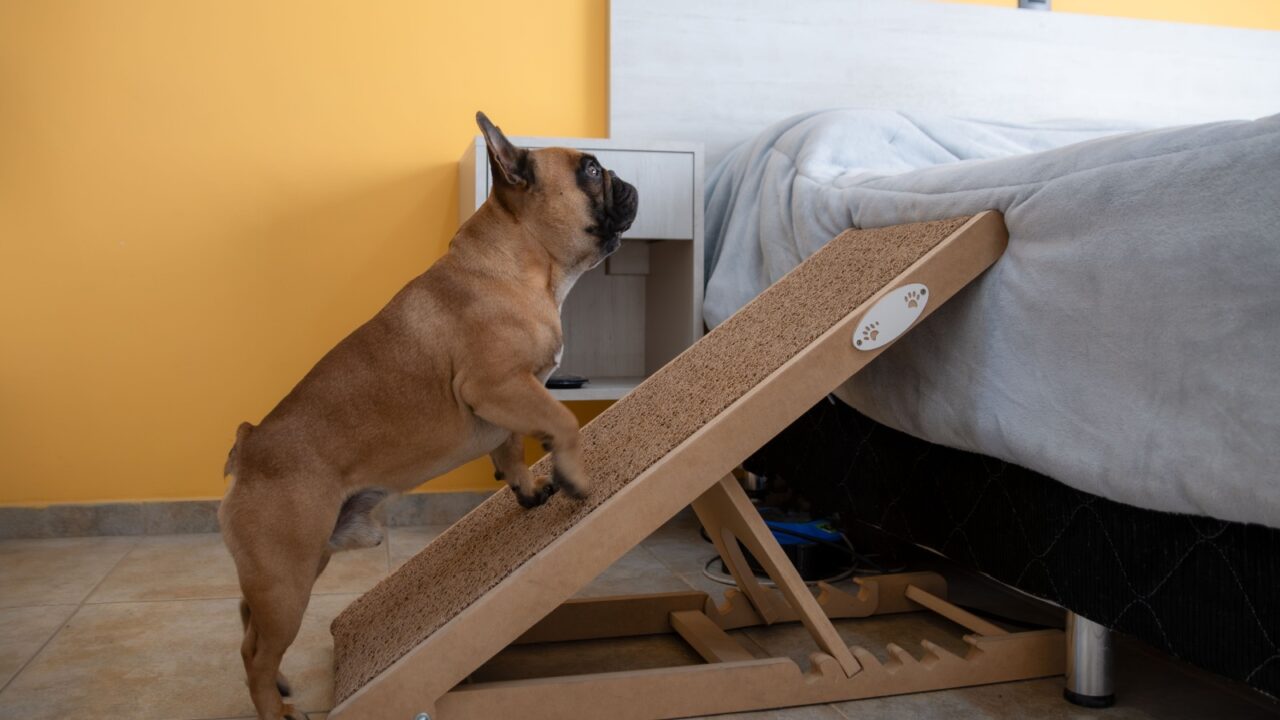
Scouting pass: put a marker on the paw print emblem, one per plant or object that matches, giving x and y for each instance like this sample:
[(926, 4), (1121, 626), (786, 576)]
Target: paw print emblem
[(892, 314), (869, 333)]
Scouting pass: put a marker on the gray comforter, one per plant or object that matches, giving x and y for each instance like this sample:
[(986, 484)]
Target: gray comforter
[(1128, 342)]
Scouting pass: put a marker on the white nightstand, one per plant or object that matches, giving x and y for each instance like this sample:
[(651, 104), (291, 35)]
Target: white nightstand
[(642, 306)]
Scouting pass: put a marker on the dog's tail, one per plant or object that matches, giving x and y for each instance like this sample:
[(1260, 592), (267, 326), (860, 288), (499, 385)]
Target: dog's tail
[(242, 432)]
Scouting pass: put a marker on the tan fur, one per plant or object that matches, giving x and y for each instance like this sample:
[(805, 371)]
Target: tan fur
[(451, 369)]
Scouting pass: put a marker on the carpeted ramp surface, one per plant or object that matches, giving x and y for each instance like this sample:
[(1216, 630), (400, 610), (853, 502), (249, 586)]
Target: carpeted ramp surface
[(480, 550)]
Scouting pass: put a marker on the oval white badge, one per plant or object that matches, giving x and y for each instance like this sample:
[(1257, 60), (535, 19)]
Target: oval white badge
[(890, 316)]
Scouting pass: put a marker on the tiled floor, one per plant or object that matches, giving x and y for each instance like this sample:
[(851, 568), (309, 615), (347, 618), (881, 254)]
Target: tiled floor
[(147, 628)]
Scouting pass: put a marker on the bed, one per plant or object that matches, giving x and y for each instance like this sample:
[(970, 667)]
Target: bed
[(1202, 589), (1094, 421)]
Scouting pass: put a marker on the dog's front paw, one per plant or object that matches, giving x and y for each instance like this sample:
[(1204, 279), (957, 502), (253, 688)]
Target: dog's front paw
[(291, 714), (574, 488), (539, 495)]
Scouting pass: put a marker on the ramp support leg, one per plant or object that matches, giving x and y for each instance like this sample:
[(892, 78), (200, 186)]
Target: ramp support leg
[(729, 517)]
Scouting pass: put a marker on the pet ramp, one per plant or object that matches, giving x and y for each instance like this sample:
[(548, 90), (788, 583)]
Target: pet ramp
[(504, 575)]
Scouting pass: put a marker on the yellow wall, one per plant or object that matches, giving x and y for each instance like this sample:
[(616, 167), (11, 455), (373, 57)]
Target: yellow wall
[(1257, 14), (198, 199)]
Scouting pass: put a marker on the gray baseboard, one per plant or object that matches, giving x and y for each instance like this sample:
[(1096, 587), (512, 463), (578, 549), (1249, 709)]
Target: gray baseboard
[(198, 516)]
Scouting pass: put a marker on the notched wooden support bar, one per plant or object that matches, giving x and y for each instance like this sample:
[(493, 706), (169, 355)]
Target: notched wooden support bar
[(957, 615), (737, 686)]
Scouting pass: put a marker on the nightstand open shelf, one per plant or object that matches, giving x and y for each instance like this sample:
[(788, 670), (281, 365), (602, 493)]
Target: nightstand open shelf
[(636, 311)]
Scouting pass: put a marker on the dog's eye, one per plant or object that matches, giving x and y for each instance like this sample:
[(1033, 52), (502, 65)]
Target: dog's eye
[(593, 170)]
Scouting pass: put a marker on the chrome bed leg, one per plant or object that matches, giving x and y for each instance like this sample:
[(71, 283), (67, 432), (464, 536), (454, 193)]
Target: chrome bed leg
[(1089, 682)]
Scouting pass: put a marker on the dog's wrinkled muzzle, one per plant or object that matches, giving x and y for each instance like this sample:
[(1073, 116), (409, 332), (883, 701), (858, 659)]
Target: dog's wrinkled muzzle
[(621, 201)]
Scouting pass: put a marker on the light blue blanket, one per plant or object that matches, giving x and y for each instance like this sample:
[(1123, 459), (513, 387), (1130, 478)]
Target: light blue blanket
[(1128, 342)]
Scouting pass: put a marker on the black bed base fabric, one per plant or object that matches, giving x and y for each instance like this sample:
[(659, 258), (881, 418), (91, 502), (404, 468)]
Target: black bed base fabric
[(1206, 591)]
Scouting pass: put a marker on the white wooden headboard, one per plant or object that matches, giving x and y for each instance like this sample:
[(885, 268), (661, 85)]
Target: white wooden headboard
[(718, 71)]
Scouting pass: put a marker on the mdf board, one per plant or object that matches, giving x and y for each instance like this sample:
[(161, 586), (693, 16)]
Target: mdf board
[(668, 296), (604, 320), (497, 572)]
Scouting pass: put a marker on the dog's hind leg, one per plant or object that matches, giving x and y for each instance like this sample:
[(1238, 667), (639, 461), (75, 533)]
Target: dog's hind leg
[(249, 643), (278, 557), (275, 610)]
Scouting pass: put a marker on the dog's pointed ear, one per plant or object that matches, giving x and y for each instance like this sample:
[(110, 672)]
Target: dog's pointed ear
[(510, 163)]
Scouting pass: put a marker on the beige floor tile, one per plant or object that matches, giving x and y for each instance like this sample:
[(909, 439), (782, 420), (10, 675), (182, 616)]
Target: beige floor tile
[(152, 660), (944, 705), (169, 660), (1041, 699), (57, 571), (172, 567), (181, 567), (634, 573), (679, 545), (405, 542), (23, 631)]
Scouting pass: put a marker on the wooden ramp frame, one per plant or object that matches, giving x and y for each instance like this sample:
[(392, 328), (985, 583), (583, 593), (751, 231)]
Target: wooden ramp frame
[(529, 603)]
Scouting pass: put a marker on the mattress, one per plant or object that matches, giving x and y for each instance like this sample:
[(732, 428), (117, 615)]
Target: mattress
[(1206, 591)]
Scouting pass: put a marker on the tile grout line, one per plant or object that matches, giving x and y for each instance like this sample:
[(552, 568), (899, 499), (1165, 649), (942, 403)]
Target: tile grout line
[(838, 711), (79, 606), (652, 556), (665, 564), (710, 549), (85, 600), (43, 645)]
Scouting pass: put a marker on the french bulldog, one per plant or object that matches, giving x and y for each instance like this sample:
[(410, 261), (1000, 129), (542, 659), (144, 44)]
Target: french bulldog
[(452, 368)]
